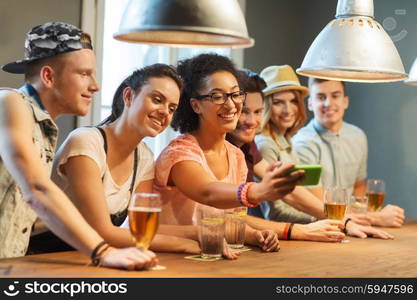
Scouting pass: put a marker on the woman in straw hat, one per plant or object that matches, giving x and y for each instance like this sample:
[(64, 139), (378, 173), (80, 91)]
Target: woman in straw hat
[(284, 113)]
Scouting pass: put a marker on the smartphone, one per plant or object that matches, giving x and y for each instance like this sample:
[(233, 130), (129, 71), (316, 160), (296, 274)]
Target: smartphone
[(312, 174)]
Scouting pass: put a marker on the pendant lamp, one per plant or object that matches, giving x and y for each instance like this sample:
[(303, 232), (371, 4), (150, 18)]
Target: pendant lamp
[(205, 23), (412, 76), (353, 47)]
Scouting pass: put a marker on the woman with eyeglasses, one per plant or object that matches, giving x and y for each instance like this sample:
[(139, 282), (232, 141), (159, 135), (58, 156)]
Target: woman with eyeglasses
[(199, 167)]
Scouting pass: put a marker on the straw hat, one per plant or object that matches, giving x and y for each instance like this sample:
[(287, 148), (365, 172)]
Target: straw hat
[(281, 78)]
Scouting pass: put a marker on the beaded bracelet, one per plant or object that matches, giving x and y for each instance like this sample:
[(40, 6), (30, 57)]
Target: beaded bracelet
[(97, 251), (289, 231), (244, 195), (250, 204), (239, 193)]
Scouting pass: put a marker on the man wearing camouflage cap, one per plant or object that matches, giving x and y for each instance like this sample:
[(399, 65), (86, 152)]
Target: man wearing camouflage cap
[(59, 67)]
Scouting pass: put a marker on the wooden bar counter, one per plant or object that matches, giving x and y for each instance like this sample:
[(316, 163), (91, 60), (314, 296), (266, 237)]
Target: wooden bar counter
[(358, 258)]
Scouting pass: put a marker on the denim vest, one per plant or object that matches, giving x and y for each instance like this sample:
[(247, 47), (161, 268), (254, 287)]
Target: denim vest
[(16, 216)]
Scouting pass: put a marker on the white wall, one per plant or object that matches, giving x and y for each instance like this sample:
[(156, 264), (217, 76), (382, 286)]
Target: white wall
[(16, 18)]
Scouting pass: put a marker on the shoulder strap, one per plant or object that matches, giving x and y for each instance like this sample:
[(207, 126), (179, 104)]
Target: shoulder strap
[(135, 167), (118, 219), (135, 162), (103, 133)]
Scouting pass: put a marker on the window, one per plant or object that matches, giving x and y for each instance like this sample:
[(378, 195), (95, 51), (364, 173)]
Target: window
[(116, 60)]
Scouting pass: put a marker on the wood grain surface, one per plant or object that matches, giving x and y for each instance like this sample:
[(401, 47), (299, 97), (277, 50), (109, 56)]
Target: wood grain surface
[(359, 258)]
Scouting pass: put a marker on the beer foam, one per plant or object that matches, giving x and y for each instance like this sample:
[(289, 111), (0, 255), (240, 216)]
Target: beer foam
[(145, 209)]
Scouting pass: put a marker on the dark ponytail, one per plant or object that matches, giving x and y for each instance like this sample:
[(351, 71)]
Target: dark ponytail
[(117, 104)]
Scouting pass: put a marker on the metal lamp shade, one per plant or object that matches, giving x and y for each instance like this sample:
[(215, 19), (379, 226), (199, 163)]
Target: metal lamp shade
[(206, 23), (412, 76), (353, 47)]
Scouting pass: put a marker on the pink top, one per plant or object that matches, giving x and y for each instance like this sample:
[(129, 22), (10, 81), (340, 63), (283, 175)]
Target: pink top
[(178, 208)]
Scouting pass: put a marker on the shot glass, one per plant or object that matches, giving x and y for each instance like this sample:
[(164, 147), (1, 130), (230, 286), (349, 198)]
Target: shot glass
[(211, 227), (358, 205), (235, 220)]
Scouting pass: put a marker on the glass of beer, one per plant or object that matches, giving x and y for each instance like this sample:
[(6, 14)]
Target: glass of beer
[(375, 190), (335, 203), (143, 212)]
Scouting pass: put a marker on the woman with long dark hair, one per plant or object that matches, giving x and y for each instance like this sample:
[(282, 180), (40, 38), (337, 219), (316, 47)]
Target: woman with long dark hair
[(100, 167)]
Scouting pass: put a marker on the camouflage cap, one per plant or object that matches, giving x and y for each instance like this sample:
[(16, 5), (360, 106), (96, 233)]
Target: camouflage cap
[(48, 40)]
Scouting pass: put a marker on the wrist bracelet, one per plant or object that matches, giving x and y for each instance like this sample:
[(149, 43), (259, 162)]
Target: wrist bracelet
[(285, 233), (344, 228), (289, 231), (245, 195), (97, 251), (239, 193)]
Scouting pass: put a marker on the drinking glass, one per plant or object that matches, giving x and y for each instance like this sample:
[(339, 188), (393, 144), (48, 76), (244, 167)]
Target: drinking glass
[(211, 226), (358, 205), (375, 190), (235, 219), (143, 212), (335, 203)]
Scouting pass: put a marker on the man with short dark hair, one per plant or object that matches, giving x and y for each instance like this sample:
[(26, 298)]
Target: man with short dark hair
[(59, 68)]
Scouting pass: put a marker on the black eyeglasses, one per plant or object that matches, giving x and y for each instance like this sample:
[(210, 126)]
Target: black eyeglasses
[(221, 98)]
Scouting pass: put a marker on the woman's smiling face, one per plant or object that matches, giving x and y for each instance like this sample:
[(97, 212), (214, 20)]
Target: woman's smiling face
[(153, 107), (284, 110), (221, 118)]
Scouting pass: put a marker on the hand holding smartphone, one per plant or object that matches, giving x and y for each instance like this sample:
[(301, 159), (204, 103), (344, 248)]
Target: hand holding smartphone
[(312, 174)]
